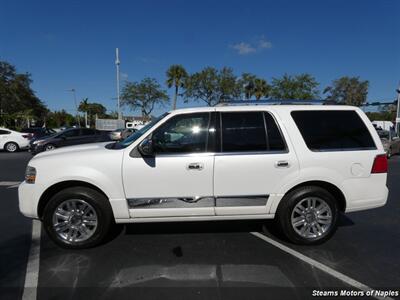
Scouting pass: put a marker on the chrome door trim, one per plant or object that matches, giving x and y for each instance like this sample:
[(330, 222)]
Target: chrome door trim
[(172, 202), (230, 201), (197, 202)]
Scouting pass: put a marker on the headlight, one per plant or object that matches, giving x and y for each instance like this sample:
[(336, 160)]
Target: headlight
[(30, 174), (37, 142)]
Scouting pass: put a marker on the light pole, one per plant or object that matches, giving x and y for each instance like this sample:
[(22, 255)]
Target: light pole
[(117, 63), (76, 106), (398, 110)]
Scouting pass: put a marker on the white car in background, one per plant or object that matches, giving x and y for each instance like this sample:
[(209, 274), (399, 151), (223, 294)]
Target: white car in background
[(12, 141)]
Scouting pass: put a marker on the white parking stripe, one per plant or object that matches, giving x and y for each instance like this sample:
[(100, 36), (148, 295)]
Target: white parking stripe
[(9, 183), (346, 279), (32, 268)]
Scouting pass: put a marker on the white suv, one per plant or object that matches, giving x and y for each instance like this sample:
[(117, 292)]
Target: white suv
[(299, 164)]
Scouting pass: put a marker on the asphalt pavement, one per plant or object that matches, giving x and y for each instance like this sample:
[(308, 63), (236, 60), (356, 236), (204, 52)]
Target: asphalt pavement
[(199, 260)]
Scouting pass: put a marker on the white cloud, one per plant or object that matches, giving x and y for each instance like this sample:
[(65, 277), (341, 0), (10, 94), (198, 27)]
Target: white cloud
[(244, 48), (264, 44), (124, 76)]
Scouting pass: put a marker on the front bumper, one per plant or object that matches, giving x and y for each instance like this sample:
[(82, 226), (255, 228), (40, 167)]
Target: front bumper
[(28, 199)]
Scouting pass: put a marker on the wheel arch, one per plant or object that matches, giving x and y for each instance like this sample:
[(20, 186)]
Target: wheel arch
[(333, 189), (55, 188)]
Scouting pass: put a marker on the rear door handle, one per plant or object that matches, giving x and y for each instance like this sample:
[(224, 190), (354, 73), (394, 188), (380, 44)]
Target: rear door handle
[(282, 164), (195, 166)]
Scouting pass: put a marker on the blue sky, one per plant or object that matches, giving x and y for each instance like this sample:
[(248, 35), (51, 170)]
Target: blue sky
[(71, 44)]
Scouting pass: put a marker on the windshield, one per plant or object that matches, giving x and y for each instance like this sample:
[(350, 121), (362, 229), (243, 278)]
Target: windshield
[(133, 137)]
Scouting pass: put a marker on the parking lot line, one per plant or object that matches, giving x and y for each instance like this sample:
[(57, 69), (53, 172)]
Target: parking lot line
[(346, 279), (32, 268), (9, 183)]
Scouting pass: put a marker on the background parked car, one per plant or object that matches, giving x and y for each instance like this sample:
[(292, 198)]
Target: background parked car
[(390, 142), (38, 132), (12, 141), (69, 137), (121, 134)]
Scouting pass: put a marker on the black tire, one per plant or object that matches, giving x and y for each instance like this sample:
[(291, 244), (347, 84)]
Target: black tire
[(289, 202), (49, 147), (101, 205), (11, 147)]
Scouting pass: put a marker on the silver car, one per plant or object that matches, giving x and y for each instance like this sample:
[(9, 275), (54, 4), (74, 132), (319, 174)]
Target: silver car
[(390, 142)]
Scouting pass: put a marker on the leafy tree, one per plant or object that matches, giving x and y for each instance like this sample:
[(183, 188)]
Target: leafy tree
[(17, 97), (60, 118), (92, 109), (261, 88), (176, 77), (212, 86), (348, 91), (144, 95), (302, 87)]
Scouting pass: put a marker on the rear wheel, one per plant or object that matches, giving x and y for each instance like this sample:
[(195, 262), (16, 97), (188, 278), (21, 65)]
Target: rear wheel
[(78, 217), (11, 147), (308, 215)]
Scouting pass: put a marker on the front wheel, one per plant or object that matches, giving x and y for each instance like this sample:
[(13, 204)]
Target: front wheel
[(77, 218), (308, 215), (49, 147), (11, 147)]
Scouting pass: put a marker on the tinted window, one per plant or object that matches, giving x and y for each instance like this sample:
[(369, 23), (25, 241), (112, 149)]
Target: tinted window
[(243, 131), (87, 131), (71, 133), (4, 132), (275, 139), (333, 130), (182, 134)]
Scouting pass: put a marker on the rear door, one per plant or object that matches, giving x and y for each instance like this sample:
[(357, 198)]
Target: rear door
[(253, 161)]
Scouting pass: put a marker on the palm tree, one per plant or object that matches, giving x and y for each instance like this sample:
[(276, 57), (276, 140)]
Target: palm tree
[(261, 88), (176, 75), (247, 83)]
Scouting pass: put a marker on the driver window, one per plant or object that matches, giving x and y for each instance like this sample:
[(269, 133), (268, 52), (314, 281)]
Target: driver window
[(71, 133), (185, 133)]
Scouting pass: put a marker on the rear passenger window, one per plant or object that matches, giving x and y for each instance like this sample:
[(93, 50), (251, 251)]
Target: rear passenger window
[(275, 140), (333, 130), (243, 131), (246, 131), (4, 132)]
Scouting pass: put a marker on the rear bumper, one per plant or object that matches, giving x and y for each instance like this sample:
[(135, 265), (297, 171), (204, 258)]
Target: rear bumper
[(365, 193)]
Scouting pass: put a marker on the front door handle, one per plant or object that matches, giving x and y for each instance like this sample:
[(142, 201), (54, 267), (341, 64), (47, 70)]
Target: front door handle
[(195, 166)]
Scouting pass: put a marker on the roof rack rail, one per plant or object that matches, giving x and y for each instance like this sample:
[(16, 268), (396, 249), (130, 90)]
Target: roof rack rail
[(272, 102)]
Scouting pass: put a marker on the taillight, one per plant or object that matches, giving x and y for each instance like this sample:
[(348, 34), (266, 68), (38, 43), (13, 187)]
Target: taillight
[(380, 164), (27, 136)]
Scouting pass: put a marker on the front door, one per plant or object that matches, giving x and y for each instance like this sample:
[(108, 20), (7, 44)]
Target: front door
[(178, 180), (254, 161)]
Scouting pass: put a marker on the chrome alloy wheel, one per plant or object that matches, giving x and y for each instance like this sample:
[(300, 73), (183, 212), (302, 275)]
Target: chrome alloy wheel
[(11, 147), (311, 217), (74, 221)]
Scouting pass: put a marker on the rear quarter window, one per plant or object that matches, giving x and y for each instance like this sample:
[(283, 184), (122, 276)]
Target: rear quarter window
[(333, 130)]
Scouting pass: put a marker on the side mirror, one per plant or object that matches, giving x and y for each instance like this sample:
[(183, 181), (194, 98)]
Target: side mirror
[(146, 147)]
